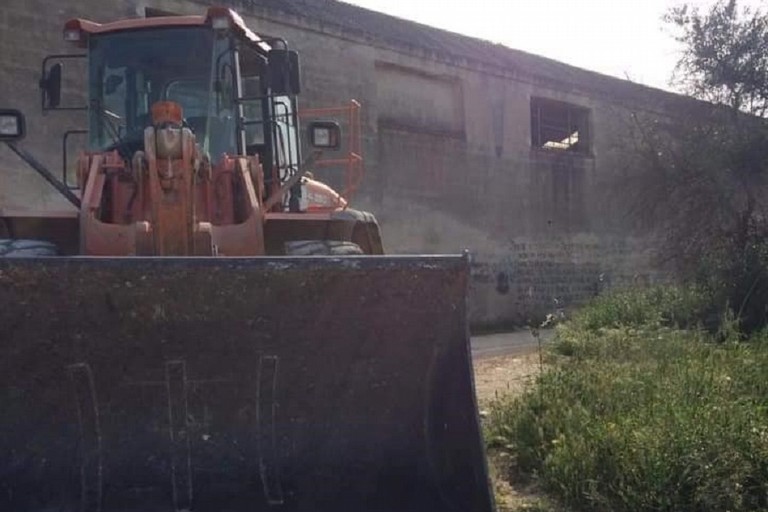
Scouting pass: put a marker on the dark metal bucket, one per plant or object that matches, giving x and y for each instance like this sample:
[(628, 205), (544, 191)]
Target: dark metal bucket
[(168, 384)]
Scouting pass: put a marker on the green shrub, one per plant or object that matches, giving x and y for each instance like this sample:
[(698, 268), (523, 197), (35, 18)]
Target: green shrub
[(662, 305), (636, 416)]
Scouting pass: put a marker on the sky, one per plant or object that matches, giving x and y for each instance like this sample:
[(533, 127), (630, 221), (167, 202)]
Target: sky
[(623, 38)]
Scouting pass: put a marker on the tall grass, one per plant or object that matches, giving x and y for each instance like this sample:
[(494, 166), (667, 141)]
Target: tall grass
[(637, 415)]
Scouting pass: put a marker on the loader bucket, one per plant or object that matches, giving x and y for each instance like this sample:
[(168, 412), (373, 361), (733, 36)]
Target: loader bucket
[(237, 385)]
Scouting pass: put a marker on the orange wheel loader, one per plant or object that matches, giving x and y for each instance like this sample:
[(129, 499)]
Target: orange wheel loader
[(211, 328)]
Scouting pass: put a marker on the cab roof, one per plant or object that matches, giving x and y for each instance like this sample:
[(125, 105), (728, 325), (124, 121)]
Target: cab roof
[(87, 27)]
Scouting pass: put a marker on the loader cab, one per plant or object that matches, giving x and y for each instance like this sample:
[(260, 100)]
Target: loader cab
[(237, 91)]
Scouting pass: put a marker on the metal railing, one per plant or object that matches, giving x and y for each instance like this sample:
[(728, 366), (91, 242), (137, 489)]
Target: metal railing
[(350, 156)]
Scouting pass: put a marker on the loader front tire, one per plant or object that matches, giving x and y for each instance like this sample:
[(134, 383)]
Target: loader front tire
[(11, 248), (322, 248)]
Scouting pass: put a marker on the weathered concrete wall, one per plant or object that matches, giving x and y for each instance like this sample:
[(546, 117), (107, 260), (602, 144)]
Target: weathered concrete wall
[(449, 160), (30, 30)]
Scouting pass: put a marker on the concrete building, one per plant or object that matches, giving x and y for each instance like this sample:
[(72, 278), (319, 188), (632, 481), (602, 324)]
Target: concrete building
[(468, 144)]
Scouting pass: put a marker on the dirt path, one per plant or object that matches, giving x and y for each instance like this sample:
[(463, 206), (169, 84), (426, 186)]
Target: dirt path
[(504, 375)]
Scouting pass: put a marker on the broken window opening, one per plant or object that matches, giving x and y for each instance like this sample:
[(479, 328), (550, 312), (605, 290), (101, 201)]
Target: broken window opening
[(559, 126)]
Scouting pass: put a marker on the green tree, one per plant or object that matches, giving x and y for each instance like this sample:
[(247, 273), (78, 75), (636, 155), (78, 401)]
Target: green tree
[(725, 55), (703, 170)]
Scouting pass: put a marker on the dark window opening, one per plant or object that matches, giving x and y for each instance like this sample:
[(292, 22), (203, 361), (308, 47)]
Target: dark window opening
[(559, 126), (151, 12)]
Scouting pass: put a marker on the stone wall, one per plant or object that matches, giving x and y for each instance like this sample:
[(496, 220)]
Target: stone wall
[(448, 147)]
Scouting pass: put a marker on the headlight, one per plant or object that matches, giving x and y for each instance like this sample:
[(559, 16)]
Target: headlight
[(11, 125), (324, 134)]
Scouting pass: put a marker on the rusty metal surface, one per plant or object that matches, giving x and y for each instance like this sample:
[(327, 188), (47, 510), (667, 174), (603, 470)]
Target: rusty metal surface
[(147, 384)]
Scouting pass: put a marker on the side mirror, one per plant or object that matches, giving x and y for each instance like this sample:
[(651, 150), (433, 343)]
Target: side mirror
[(324, 134), (283, 72), (12, 125), (50, 84)]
